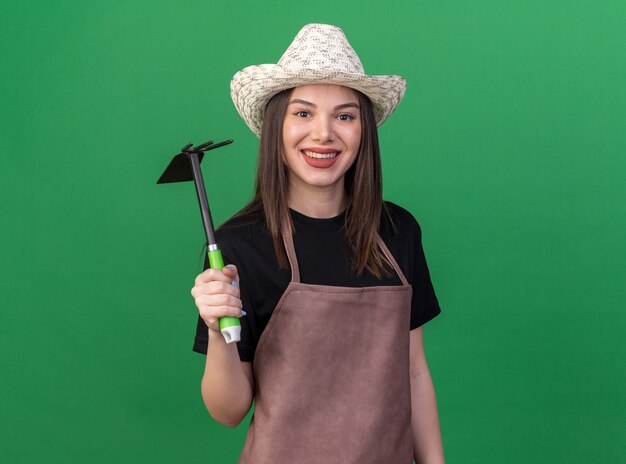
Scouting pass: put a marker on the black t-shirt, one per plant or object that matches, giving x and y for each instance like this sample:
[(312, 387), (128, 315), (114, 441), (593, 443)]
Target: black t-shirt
[(324, 259)]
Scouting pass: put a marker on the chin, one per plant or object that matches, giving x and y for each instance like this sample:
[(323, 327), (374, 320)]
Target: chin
[(316, 181)]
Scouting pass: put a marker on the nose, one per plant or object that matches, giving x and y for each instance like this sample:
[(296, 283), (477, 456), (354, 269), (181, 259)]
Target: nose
[(322, 130)]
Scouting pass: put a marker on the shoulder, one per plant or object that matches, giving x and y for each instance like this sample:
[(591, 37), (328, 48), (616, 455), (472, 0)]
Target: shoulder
[(398, 223), (247, 224), (245, 240)]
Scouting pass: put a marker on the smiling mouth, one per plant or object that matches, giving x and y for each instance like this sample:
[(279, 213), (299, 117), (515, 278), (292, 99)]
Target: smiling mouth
[(313, 154)]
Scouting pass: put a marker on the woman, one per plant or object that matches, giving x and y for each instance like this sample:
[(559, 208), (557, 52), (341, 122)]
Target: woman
[(333, 279)]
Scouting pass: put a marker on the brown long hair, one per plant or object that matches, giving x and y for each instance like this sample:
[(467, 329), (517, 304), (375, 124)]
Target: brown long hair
[(363, 184)]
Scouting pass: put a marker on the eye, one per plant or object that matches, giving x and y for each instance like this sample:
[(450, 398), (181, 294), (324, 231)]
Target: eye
[(345, 117), (302, 114)]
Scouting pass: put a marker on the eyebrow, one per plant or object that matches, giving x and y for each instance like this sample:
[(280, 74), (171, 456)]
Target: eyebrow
[(338, 107)]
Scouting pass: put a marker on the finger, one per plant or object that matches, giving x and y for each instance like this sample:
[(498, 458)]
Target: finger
[(226, 311), (218, 300), (231, 271), (214, 288), (213, 322), (210, 275), (217, 312)]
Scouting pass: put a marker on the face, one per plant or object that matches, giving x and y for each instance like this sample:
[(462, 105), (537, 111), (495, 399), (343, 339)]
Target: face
[(321, 136)]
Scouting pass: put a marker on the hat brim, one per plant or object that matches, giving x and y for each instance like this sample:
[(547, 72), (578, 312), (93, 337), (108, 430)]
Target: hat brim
[(253, 87)]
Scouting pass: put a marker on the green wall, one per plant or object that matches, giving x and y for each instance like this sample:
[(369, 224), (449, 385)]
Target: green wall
[(508, 147)]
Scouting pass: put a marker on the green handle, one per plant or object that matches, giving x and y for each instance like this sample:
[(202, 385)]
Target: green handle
[(217, 262), (215, 259)]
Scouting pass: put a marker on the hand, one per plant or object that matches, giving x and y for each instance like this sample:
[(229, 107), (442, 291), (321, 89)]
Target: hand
[(217, 296)]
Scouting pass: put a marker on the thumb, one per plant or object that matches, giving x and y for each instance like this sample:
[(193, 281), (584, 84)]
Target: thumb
[(231, 271)]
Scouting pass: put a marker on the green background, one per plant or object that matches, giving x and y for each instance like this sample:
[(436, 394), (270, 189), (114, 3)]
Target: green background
[(508, 148)]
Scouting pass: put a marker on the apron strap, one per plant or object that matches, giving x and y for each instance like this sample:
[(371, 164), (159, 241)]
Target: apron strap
[(293, 260), (291, 252), (391, 259)]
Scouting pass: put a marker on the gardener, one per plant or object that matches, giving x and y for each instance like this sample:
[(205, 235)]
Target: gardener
[(333, 279)]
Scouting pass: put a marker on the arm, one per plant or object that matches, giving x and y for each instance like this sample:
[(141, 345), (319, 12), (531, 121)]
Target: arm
[(227, 384), (427, 446)]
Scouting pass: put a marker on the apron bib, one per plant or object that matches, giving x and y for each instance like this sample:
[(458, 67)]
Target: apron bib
[(332, 375)]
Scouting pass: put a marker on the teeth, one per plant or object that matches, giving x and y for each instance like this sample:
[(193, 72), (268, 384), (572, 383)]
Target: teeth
[(312, 154)]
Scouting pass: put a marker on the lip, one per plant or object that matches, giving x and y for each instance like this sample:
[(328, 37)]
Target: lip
[(323, 151), (320, 163)]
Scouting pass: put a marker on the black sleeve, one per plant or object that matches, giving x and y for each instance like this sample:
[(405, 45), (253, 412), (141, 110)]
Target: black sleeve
[(424, 305), (405, 242), (245, 347)]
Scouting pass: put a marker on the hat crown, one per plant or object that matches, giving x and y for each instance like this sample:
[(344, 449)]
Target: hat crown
[(319, 54), (321, 47)]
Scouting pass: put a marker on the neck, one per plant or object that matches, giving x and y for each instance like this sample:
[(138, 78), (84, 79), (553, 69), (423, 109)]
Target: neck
[(317, 202)]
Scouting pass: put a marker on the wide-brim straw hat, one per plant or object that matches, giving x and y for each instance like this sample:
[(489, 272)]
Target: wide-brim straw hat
[(320, 54)]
